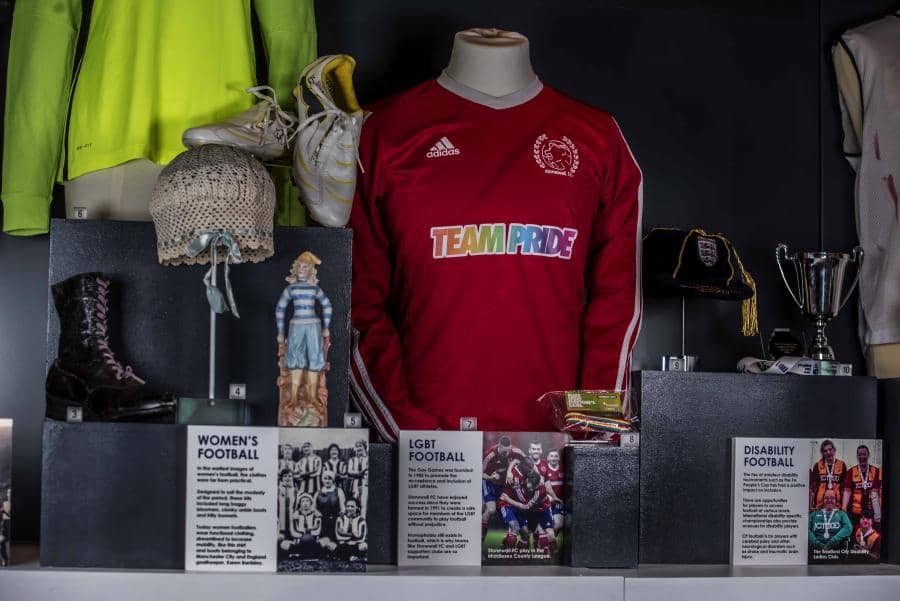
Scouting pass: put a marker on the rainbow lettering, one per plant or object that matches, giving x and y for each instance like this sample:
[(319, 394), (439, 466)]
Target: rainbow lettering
[(498, 239)]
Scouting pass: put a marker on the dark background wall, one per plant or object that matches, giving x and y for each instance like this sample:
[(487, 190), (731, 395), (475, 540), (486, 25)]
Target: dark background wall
[(724, 104)]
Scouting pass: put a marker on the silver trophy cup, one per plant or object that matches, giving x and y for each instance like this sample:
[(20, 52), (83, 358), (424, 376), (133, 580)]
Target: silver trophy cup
[(819, 280)]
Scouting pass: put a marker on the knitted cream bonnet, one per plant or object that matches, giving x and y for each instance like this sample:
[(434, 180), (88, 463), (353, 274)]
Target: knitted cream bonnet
[(213, 189), (214, 201)]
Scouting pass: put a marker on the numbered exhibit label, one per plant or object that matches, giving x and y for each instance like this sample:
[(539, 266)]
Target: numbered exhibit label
[(232, 480), (440, 498)]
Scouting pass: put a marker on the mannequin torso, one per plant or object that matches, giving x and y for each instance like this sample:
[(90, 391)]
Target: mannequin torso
[(492, 61), (121, 192)]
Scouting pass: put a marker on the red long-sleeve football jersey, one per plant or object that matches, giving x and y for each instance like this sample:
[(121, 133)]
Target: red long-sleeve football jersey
[(496, 256)]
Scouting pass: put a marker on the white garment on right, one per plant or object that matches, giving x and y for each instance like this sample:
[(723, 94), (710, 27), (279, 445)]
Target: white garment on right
[(875, 155)]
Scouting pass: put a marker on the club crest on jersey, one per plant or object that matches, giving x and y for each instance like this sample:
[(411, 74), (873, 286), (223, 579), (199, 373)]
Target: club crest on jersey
[(556, 157), (706, 248), (500, 239)]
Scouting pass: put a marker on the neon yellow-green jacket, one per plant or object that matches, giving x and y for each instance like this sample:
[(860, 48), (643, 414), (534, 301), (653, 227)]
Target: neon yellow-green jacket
[(150, 70)]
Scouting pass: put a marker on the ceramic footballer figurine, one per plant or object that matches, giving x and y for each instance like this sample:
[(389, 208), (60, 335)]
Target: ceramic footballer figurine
[(303, 397)]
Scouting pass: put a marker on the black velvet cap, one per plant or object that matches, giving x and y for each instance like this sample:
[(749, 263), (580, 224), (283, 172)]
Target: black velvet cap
[(694, 263)]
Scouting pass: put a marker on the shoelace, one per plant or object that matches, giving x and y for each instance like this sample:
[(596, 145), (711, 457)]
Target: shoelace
[(103, 342), (343, 119), (285, 123)]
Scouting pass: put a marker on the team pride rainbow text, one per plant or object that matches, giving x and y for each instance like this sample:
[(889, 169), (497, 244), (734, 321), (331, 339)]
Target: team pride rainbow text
[(502, 239)]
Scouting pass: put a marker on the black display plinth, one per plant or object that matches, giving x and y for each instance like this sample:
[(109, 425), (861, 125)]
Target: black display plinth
[(687, 422), (113, 496), (889, 429), (602, 509), (381, 515)]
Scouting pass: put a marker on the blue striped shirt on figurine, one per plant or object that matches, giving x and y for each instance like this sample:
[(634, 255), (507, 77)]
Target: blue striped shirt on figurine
[(302, 354)]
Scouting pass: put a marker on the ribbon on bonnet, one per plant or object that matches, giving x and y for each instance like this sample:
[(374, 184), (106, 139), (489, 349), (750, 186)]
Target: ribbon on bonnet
[(212, 239)]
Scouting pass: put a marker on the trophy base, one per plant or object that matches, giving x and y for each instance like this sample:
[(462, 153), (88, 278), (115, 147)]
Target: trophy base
[(212, 412), (680, 363), (821, 353)]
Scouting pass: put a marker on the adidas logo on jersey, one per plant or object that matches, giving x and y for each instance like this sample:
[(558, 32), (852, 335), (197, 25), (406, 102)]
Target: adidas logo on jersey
[(443, 148)]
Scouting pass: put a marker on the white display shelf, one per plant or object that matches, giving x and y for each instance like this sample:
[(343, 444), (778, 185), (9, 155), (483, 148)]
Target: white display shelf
[(27, 580), (789, 583)]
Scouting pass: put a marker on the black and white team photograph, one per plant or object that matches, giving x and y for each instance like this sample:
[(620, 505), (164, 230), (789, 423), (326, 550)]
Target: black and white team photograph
[(523, 509), (323, 486)]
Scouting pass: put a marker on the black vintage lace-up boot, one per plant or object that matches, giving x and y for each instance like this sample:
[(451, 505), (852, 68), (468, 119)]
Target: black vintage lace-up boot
[(85, 373)]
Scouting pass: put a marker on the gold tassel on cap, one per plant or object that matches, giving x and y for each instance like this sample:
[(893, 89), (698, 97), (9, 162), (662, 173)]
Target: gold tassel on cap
[(749, 309)]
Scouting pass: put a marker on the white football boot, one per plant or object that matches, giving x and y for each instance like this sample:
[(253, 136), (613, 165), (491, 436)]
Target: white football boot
[(327, 144), (264, 130)]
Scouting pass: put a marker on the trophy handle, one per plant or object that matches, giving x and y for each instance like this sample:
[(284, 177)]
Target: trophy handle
[(855, 257), (781, 252)]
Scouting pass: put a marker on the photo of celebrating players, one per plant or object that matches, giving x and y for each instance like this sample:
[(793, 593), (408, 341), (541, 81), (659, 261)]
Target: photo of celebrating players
[(845, 500), (523, 504), (323, 484)]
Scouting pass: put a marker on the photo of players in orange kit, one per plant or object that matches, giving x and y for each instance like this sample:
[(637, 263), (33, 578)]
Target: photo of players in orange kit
[(523, 504), (846, 484)]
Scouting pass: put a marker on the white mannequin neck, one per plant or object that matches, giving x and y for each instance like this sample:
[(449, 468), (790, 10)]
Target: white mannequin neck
[(491, 61)]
